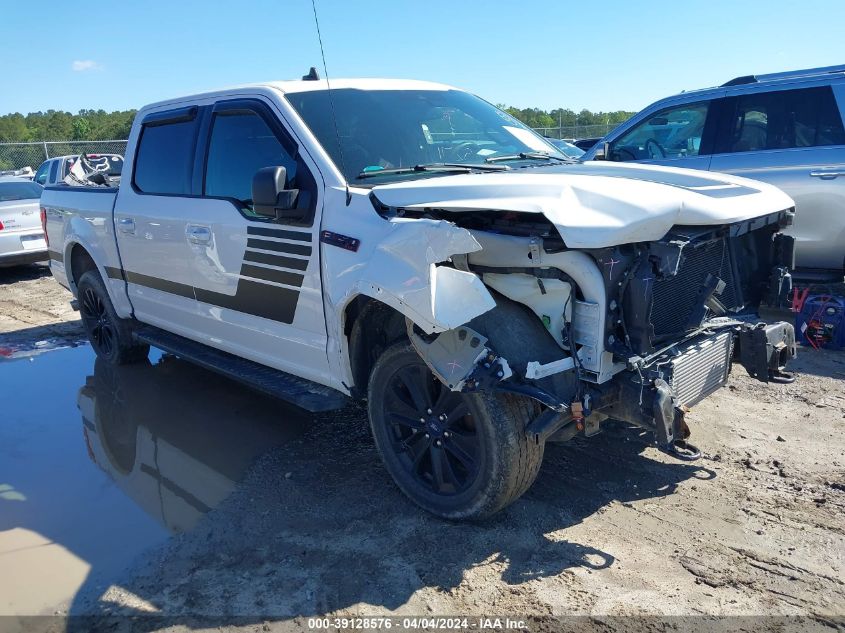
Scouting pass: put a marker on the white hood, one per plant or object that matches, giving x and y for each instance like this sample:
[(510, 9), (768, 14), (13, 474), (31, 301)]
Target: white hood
[(598, 204)]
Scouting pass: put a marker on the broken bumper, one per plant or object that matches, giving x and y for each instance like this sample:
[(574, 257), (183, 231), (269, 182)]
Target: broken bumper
[(657, 392)]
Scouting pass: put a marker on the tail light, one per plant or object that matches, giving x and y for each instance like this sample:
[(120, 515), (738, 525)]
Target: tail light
[(1, 225), (44, 225)]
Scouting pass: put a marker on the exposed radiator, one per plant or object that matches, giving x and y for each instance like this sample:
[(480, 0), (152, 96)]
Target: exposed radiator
[(674, 297), (700, 368)]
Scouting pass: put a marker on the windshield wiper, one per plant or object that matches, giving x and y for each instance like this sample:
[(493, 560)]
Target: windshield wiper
[(527, 156), (461, 168)]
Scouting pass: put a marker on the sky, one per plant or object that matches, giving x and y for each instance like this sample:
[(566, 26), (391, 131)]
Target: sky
[(603, 56)]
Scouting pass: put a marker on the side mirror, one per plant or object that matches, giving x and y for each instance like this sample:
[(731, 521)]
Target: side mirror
[(269, 196), (603, 152)]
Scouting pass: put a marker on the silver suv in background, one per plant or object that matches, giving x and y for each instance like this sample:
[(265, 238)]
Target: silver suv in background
[(785, 129)]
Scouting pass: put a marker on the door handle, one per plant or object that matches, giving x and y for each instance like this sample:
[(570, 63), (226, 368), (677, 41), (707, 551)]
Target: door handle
[(827, 175), (198, 234), (126, 225)]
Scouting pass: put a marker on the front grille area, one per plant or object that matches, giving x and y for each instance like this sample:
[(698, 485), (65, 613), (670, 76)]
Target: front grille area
[(673, 298)]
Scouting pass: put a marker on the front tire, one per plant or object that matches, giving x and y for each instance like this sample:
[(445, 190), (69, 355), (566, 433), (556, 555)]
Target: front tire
[(110, 336), (456, 455)]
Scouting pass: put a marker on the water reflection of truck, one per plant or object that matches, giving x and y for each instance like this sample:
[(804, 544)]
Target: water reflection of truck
[(175, 455)]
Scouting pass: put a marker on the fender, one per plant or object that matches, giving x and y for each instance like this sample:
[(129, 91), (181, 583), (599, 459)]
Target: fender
[(403, 273), (91, 234)]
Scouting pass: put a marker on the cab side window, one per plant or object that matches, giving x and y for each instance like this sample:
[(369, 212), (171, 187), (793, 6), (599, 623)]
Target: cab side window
[(240, 144), (41, 175), (165, 158), (783, 119), (54, 172), (675, 132)]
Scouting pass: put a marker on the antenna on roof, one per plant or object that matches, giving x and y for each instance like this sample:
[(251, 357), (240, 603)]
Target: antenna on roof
[(312, 75), (331, 101)]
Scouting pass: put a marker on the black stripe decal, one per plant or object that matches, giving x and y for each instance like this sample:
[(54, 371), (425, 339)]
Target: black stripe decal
[(55, 256), (281, 247), (251, 297), (280, 233), (271, 274), (172, 287), (256, 298), (276, 260), (113, 273), (173, 487)]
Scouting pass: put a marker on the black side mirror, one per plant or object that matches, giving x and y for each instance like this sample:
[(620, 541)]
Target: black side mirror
[(269, 196)]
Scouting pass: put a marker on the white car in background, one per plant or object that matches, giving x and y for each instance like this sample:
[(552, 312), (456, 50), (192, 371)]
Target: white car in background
[(21, 233)]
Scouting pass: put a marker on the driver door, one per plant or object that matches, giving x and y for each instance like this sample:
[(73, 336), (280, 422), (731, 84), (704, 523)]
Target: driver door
[(257, 281)]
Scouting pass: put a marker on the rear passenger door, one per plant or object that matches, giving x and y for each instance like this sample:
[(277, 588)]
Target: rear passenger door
[(150, 221), (257, 281), (793, 139)]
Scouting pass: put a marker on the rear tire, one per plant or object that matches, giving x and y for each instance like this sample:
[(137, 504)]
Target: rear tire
[(456, 455), (110, 336)]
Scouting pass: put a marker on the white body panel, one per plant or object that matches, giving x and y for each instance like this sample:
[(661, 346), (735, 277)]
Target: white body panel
[(599, 204)]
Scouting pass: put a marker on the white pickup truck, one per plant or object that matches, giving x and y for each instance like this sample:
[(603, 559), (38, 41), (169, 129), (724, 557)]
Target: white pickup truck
[(409, 244)]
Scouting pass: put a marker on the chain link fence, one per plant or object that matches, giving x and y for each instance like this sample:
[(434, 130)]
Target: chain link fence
[(577, 131), (20, 155)]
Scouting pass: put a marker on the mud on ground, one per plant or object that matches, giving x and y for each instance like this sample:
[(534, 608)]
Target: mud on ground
[(34, 308), (611, 526)]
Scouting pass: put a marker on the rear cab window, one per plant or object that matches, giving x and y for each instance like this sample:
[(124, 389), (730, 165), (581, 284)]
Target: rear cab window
[(164, 160), (41, 175), (54, 173)]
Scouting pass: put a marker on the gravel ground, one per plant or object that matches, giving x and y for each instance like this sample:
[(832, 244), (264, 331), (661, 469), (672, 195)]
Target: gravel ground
[(611, 527)]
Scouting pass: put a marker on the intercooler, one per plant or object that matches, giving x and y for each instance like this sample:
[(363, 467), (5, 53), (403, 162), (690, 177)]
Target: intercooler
[(674, 298), (697, 369)]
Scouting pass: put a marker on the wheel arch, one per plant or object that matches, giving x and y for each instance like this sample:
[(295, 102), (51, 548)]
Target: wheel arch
[(370, 327), (79, 261)]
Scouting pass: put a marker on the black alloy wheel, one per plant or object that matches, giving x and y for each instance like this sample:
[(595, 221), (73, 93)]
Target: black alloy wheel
[(433, 431), (457, 455), (97, 323)]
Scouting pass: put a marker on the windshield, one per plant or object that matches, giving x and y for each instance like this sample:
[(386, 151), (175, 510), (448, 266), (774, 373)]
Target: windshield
[(19, 191), (567, 148), (396, 129)]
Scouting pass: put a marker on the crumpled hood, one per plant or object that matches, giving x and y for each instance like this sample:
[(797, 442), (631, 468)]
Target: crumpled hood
[(598, 204)]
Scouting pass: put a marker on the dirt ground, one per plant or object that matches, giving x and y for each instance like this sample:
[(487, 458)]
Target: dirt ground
[(34, 307), (611, 527)]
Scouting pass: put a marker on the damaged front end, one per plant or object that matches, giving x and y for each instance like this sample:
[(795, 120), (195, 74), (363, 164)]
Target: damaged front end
[(636, 332)]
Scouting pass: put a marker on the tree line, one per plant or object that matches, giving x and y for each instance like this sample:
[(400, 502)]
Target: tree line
[(97, 125), (56, 125), (564, 117)]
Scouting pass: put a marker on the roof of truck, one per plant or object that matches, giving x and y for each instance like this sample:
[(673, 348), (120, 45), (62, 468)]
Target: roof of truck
[(311, 85), (360, 84)]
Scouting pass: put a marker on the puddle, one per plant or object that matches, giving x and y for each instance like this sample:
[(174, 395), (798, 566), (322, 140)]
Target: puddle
[(98, 464)]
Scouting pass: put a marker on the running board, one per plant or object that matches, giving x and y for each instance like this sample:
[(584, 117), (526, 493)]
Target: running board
[(303, 393)]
